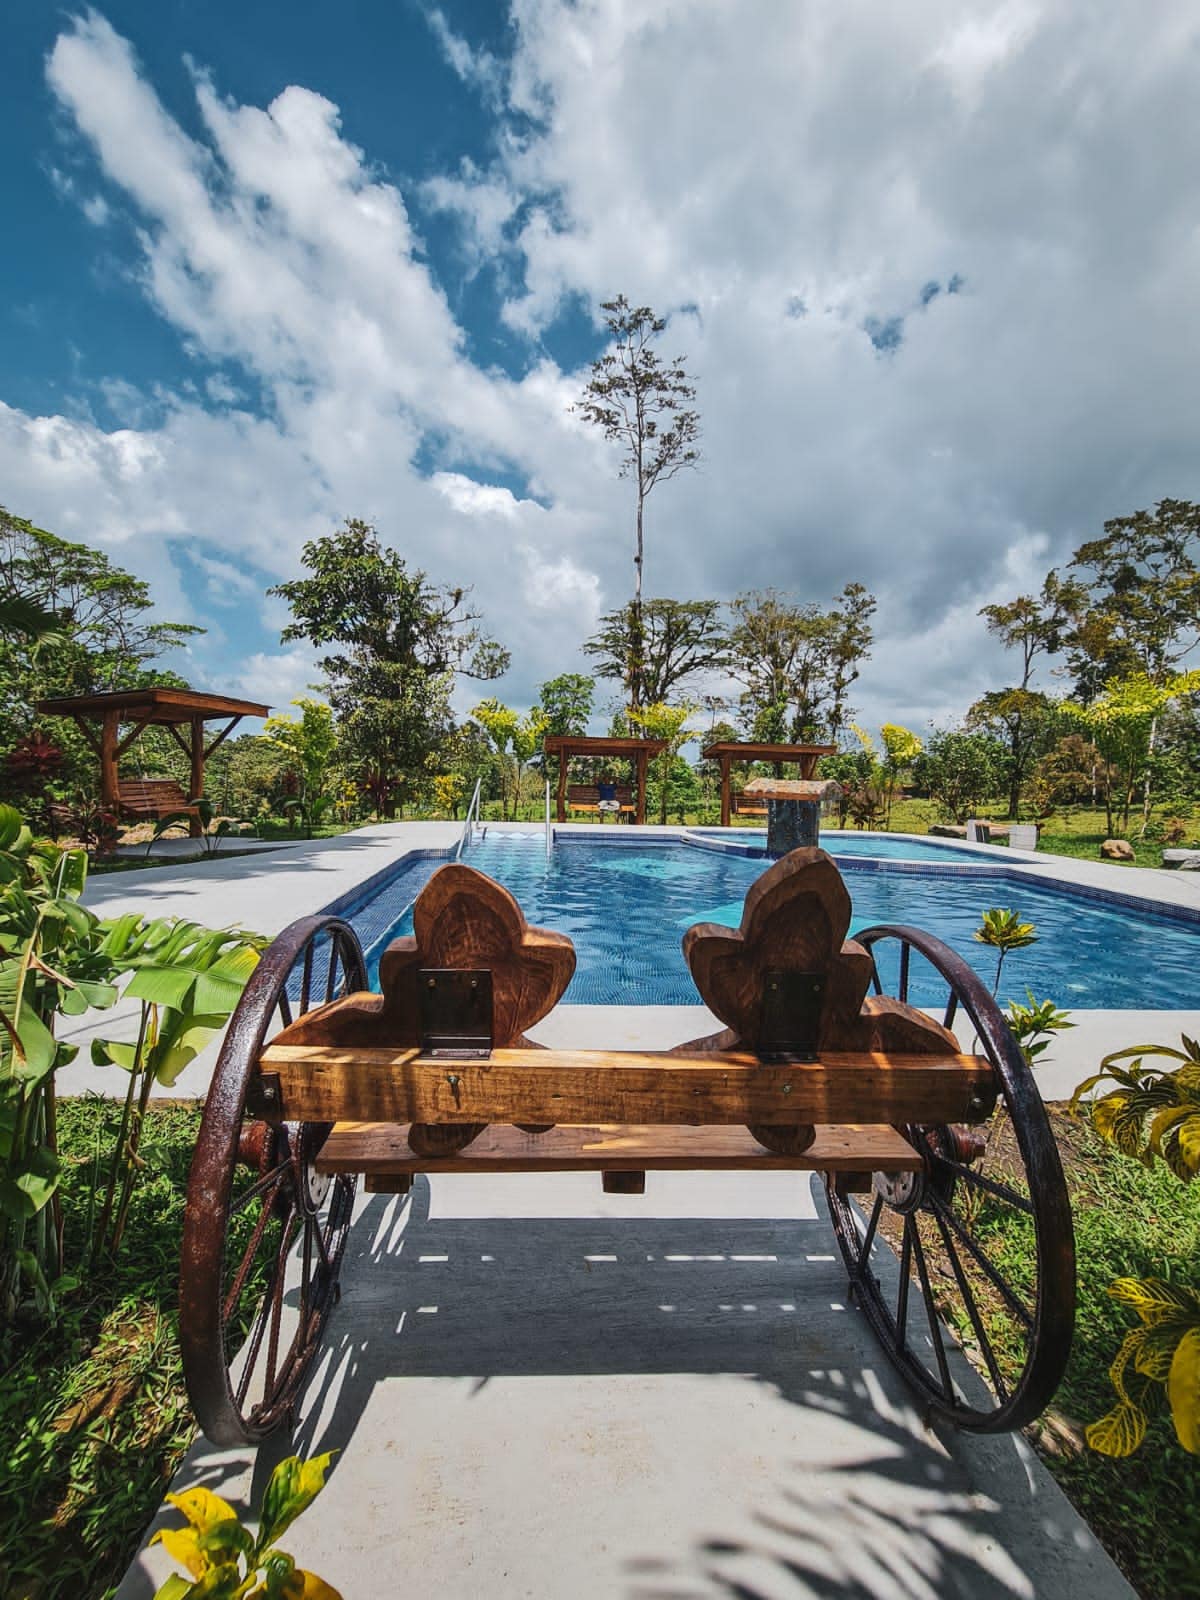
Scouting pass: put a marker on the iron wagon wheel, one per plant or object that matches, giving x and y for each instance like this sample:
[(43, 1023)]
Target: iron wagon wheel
[(263, 1234), (983, 1232)]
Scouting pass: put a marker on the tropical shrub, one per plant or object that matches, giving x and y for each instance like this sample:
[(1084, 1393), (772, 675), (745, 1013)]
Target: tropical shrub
[(1152, 1114), (226, 1561)]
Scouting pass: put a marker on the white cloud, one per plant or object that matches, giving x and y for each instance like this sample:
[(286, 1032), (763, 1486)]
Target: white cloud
[(477, 68), (732, 160)]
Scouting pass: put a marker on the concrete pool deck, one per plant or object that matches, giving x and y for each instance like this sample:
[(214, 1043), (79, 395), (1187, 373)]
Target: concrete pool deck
[(267, 891)]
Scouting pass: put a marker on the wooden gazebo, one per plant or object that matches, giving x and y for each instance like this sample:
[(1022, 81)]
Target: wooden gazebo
[(727, 751), (176, 710), (639, 751)]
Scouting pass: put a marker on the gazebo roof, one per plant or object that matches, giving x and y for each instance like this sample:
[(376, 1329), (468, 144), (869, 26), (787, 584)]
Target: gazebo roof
[(152, 705), (565, 744), (749, 751)]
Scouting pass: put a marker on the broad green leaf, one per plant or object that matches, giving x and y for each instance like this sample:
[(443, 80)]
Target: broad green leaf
[(161, 985), (293, 1486), (112, 1052), (11, 825), (38, 1048), (1119, 1433), (1183, 1391), (181, 1041)]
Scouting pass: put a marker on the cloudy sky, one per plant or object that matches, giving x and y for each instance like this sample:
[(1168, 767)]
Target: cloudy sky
[(935, 268)]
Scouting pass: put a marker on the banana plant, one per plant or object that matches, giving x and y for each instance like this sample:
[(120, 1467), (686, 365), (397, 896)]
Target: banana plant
[(212, 828), (50, 962), (188, 979)]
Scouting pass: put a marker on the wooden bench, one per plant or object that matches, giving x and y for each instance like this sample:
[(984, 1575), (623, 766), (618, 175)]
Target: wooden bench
[(924, 1149), (586, 797), (748, 805), (150, 799)]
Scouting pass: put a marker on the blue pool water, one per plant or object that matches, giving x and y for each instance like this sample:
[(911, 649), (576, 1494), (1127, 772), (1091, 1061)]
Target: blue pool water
[(626, 907), (874, 846)]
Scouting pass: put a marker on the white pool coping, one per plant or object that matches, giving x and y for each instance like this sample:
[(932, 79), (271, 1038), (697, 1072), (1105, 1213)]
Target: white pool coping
[(268, 891)]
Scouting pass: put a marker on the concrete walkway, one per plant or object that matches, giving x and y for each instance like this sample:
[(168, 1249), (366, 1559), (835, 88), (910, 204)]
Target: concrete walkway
[(537, 1389)]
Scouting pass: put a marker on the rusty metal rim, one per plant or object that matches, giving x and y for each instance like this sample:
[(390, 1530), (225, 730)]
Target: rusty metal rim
[(210, 1183), (1054, 1316)]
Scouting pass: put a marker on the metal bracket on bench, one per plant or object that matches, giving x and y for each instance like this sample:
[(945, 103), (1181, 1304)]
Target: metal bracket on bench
[(790, 1020), (456, 1012)]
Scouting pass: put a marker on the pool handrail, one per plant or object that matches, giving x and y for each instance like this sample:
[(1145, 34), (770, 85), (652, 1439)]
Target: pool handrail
[(472, 811)]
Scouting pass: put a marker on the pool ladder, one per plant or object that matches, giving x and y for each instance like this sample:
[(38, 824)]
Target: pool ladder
[(472, 822)]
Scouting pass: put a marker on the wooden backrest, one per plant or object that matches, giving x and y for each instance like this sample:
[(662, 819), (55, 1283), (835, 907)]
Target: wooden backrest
[(154, 789), (588, 794)]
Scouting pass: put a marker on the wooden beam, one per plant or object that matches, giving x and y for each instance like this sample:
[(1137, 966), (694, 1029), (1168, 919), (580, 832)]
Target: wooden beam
[(381, 1151), (322, 1083), (562, 787), (194, 827), (222, 736), (173, 730), (641, 757), (110, 789), (726, 801), (92, 738), (132, 734)]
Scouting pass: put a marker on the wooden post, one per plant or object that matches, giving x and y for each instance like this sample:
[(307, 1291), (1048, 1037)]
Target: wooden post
[(562, 786), (110, 793), (197, 771), (640, 814), (725, 804)]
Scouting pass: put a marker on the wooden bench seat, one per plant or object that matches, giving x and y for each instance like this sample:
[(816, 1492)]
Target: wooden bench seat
[(382, 1151), (586, 797), (744, 805), (149, 799)]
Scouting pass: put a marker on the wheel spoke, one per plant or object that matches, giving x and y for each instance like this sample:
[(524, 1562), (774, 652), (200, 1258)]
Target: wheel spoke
[(259, 1186), (902, 984), (905, 1268), (979, 1180), (306, 979), (1014, 1303), (981, 1338), (278, 1286), (234, 1292), (331, 975), (931, 1313), (864, 1254), (951, 1009)]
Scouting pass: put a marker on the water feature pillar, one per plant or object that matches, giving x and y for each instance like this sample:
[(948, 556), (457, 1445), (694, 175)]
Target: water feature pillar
[(793, 810)]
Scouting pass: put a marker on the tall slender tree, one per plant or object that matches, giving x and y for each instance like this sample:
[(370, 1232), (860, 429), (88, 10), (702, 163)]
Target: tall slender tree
[(643, 404)]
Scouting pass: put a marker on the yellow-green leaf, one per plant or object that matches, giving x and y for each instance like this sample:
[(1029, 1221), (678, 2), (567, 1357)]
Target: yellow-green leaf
[(316, 1588), (1183, 1391), (293, 1486), (183, 1545), (1119, 1433), (202, 1508), (1154, 1300)]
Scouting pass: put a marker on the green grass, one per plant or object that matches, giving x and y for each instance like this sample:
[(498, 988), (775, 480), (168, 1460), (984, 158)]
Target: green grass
[(93, 1414), (1138, 1222)]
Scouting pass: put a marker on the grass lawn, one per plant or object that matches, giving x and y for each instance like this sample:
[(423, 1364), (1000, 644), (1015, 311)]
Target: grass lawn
[(93, 1414)]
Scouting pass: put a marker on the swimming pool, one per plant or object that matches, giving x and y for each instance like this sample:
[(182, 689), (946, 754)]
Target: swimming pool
[(626, 907), (859, 846)]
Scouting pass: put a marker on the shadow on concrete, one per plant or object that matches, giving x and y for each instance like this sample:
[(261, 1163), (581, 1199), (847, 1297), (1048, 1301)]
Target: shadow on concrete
[(780, 1455)]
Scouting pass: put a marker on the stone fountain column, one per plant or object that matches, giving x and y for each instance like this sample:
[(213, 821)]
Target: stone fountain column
[(793, 810)]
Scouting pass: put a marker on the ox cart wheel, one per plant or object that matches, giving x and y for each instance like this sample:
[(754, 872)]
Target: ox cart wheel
[(263, 1234), (982, 1190)]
